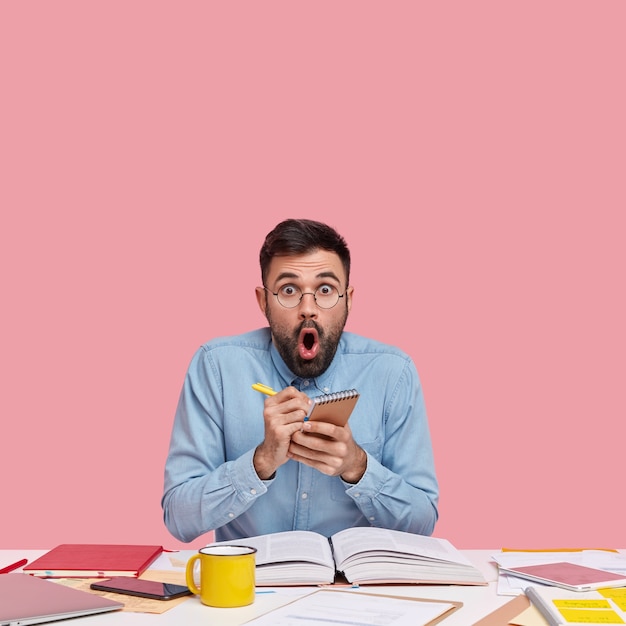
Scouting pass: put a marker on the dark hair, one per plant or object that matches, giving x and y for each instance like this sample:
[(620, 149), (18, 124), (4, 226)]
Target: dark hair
[(302, 236)]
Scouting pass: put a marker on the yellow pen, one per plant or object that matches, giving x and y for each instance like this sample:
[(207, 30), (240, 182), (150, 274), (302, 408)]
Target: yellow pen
[(268, 391)]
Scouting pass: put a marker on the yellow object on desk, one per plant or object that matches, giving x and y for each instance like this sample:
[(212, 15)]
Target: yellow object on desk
[(227, 575), (574, 607)]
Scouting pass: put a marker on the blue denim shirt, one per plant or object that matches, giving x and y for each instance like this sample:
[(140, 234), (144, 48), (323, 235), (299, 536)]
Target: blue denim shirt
[(210, 481)]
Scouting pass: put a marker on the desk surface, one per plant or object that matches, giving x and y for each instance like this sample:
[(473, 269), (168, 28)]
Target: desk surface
[(477, 601)]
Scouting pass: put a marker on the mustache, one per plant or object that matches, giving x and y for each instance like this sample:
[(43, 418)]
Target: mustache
[(309, 324)]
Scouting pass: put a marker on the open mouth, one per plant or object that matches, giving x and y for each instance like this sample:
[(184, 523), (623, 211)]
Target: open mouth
[(308, 343), (308, 340)]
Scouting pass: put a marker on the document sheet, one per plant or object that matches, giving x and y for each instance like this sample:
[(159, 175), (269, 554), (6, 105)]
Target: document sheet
[(354, 608)]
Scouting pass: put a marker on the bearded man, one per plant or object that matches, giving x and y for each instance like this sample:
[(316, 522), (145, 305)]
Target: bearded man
[(243, 464)]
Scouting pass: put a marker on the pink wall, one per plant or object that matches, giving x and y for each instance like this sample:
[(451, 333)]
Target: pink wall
[(472, 153)]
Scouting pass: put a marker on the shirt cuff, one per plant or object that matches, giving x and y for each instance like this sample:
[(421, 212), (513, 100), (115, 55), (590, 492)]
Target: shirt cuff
[(371, 482), (245, 479)]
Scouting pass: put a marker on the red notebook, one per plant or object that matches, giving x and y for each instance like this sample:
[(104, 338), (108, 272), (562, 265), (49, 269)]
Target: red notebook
[(80, 560), (568, 576)]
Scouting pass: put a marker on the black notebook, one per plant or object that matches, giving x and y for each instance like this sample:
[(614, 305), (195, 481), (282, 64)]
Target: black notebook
[(334, 408)]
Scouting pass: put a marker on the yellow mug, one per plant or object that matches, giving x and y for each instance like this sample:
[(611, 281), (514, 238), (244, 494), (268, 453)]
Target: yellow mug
[(227, 575)]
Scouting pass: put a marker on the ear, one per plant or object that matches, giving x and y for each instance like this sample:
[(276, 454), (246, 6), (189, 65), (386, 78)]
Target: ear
[(349, 293), (261, 298)]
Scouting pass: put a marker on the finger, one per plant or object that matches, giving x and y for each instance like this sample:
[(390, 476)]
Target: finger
[(324, 429), (285, 413), (287, 402), (324, 463), (317, 447)]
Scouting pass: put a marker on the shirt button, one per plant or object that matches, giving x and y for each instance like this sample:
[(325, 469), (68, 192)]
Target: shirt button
[(304, 496), (231, 515), (326, 389), (306, 383), (372, 518), (357, 495), (253, 492)]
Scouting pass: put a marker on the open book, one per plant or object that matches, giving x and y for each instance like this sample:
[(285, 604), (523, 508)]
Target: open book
[(363, 555)]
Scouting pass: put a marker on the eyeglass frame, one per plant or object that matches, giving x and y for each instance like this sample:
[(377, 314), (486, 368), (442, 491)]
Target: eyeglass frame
[(305, 293)]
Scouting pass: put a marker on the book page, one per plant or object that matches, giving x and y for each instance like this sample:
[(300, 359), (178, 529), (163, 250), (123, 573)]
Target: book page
[(292, 545), (363, 539)]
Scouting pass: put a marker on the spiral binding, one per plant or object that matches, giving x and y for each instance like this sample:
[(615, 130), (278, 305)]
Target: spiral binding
[(336, 396)]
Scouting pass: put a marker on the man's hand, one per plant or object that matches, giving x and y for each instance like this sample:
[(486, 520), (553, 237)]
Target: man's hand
[(334, 453), (283, 415)]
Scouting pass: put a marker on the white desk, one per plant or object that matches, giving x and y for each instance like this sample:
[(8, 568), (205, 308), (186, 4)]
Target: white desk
[(477, 601)]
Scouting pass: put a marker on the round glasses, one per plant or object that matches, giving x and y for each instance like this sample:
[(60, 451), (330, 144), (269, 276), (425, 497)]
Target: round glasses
[(289, 296)]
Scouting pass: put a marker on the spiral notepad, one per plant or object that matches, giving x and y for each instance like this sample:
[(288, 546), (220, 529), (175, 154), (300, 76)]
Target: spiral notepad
[(334, 408)]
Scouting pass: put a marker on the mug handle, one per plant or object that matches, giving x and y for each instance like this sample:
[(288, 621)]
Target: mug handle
[(189, 574)]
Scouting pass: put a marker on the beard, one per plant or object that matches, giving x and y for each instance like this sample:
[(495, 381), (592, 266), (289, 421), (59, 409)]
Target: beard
[(286, 342)]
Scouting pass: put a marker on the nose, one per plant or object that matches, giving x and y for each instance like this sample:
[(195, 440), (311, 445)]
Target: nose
[(308, 306)]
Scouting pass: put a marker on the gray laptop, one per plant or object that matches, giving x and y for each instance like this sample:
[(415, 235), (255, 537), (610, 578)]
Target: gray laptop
[(25, 599)]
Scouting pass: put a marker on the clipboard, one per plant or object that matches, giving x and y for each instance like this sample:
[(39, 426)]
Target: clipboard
[(454, 605), (504, 615)]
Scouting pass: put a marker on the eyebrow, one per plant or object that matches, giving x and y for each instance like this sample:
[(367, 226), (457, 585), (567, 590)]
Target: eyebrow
[(292, 275)]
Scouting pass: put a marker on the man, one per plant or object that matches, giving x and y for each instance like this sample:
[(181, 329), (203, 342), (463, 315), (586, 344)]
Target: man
[(244, 464)]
